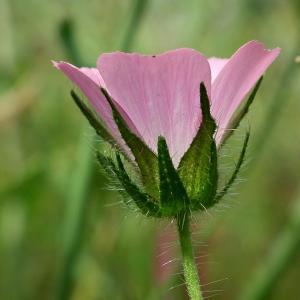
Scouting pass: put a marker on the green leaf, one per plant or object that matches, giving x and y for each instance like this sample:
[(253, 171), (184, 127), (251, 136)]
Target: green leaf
[(145, 158), (235, 122), (141, 199), (198, 167), (173, 197), (233, 177)]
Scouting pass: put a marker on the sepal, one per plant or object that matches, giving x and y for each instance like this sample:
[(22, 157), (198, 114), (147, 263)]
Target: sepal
[(173, 196), (92, 119), (145, 158), (236, 171), (142, 200), (235, 122), (198, 167)]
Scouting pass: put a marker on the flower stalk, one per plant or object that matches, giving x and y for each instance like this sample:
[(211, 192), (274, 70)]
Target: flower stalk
[(188, 261)]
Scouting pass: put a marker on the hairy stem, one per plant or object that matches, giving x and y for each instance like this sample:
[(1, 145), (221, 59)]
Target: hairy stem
[(188, 261)]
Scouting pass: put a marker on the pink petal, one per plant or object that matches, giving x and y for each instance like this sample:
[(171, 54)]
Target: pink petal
[(216, 65), (89, 81), (160, 93), (236, 79), (93, 74)]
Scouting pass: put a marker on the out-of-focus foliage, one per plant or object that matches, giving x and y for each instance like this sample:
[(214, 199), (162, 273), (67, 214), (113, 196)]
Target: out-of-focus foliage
[(40, 129)]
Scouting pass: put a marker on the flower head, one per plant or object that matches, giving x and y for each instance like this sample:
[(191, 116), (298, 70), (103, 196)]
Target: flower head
[(148, 107)]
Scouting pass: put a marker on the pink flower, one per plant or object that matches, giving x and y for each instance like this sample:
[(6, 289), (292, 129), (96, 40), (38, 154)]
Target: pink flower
[(159, 95)]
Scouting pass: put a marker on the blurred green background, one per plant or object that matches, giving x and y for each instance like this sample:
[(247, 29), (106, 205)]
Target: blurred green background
[(64, 233)]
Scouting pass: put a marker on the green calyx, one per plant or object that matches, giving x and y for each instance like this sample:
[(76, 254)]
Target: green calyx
[(167, 191), (163, 190)]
